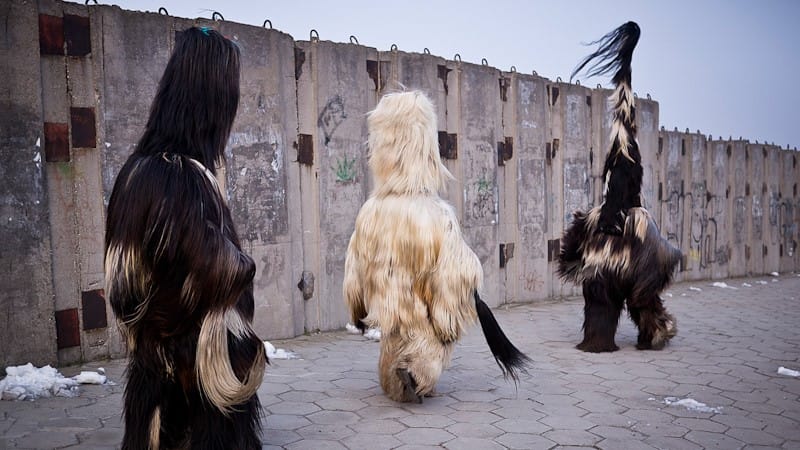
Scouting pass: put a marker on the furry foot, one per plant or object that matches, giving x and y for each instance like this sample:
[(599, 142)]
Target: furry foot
[(592, 347), (662, 335), (409, 386)]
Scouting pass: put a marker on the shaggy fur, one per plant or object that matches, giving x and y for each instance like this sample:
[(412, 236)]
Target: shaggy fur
[(616, 251), (176, 276), (408, 269)]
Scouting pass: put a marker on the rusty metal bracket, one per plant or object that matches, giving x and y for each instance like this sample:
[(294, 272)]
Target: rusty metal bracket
[(506, 253), (299, 60), (305, 149), (442, 72), (306, 284), (448, 145), (505, 151), (505, 83)]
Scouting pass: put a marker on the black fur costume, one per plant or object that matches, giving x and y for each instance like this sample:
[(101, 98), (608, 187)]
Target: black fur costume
[(615, 250), (176, 276)]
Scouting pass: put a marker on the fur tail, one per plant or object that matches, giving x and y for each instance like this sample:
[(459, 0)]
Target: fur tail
[(623, 167), (508, 357)]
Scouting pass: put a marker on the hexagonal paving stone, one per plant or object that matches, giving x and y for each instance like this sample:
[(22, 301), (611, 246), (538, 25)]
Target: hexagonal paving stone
[(424, 436), (372, 441), (567, 423), (713, 440), (382, 412), (756, 437), (297, 408), (525, 441), (316, 444), (466, 443), (474, 417), (426, 421), (474, 430), (333, 417), (341, 404), (279, 437), (367, 426), (325, 432), (50, 439), (572, 437), (286, 422)]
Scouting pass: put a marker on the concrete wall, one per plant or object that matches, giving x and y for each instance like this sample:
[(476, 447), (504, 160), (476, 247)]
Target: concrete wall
[(525, 152)]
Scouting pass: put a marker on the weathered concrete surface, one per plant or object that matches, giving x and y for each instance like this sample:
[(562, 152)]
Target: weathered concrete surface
[(335, 92), (569, 178), (647, 136), (788, 213), (726, 355), (717, 206), (263, 176), (27, 331), (772, 236), (479, 131), (737, 211), (755, 188), (672, 190), (525, 196), (696, 221)]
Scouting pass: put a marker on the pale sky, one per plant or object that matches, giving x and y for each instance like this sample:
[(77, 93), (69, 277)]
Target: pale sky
[(725, 67)]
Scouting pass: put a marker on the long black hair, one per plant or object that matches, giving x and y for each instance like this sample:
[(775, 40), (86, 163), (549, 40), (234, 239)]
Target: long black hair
[(197, 98)]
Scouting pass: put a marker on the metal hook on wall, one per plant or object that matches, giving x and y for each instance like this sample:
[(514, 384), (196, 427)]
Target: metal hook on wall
[(513, 69), (558, 80), (535, 73), (426, 51), (393, 47), (95, 2), (457, 57), (264, 25), (215, 15), (313, 35), (353, 40), (163, 11), (484, 62), (577, 82)]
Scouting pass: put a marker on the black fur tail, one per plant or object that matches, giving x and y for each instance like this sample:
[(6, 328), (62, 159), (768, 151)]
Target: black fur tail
[(508, 357), (614, 54), (622, 171)]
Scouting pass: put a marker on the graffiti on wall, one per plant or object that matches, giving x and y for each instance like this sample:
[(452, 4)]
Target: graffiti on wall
[(332, 115)]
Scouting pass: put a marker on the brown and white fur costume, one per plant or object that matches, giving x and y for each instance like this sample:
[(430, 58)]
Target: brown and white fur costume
[(408, 269), (177, 278), (615, 250)]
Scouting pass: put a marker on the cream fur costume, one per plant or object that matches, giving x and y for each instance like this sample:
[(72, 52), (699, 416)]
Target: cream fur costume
[(408, 269)]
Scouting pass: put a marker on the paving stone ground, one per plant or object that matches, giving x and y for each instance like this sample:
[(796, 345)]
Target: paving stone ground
[(727, 353)]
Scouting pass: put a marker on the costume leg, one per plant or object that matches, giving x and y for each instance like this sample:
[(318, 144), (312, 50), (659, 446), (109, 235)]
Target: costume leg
[(602, 308), (143, 398), (656, 325)]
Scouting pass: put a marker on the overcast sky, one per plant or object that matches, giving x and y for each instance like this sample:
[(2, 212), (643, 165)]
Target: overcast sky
[(725, 67)]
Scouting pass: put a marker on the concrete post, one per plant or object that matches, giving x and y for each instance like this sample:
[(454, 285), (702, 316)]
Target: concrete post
[(772, 236), (673, 166), (738, 214), (525, 117), (335, 92), (700, 235), (718, 208), (756, 190)]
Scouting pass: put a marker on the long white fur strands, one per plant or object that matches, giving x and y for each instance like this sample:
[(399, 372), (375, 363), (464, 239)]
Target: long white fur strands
[(214, 372), (408, 268), (404, 154)]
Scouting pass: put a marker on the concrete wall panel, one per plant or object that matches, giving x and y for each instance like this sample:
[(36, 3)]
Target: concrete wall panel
[(337, 92), (27, 330), (480, 129), (756, 189), (787, 212), (772, 238), (647, 136), (738, 213), (528, 118), (718, 208), (262, 176), (673, 166)]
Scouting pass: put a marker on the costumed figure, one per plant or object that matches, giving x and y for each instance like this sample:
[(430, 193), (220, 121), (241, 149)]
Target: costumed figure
[(615, 250), (176, 276), (408, 269)]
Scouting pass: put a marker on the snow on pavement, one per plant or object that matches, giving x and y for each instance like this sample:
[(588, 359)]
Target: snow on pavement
[(28, 382)]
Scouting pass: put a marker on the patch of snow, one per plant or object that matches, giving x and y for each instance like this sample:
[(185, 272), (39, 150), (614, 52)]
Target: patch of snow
[(747, 285), (692, 288), (774, 281), (29, 383), (789, 372), (278, 353), (691, 404), (761, 282), (88, 377), (668, 294), (775, 274), (38, 142), (371, 333), (38, 158), (108, 144), (722, 285)]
